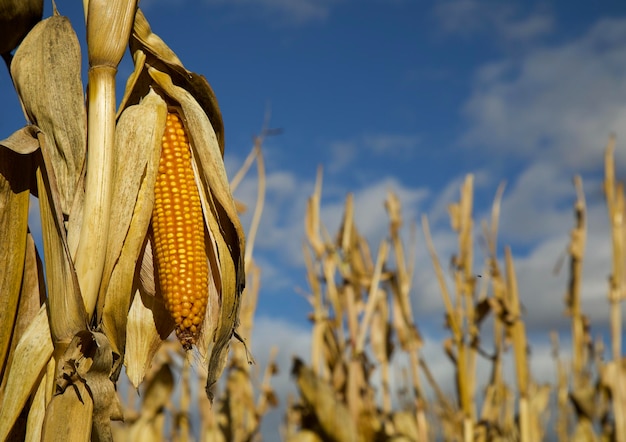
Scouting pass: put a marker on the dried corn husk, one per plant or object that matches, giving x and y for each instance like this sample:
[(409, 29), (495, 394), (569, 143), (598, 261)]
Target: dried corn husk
[(84, 387), (157, 68), (332, 415), (30, 358), (138, 141), (56, 105), (15, 176), (17, 17)]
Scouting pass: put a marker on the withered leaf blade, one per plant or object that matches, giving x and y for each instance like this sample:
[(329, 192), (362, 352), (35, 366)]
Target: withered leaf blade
[(46, 72), (23, 141), (210, 165), (332, 414), (157, 395), (88, 361), (40, 398), (31, 356), (148, 325), (32, 296), (17, 17), (75, 402), (222, 222), (159, 55), (64, 300), (15, 177), (138, 141)]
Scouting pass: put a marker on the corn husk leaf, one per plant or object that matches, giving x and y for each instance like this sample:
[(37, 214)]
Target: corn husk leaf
[(138, 141), (32, 353), (87, 362), (32, 296), (223, 225), (69, 415), (149, 48), (17, 17), (23, 141), (46, 72), (305, 436), (64, 299), (332, 414), (15, 176), (149, 324), (41, 398), (150, 425)]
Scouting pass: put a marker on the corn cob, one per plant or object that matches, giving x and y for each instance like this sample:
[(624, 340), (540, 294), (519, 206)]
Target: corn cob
[(179, 235)]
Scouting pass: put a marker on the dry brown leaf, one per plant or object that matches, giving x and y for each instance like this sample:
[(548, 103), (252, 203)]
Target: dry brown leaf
[(332, 415), (147, 47), (148, 325), (69, 414), (40, 400), (47, 74), (15, 177), (138, 142), (31, 355), (23, 141), (17, 17), (68, 315)]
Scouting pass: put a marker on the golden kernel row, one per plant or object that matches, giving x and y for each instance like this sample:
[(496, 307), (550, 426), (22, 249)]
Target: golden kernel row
[(179, 236)]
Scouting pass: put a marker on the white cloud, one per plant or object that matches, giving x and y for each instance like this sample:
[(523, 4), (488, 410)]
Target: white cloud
[(391, 143), (282, 224), (556, 103), (370, 146), (538, 204), (467, 17), (343, 155)]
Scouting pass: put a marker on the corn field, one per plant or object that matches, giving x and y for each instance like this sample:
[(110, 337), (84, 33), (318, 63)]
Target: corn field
[(147, 283)]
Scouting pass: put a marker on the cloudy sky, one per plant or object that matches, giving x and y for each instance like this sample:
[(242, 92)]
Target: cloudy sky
[(411, 96)]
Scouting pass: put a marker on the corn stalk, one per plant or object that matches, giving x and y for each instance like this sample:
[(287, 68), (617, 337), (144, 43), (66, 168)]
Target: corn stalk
[(93, 166)]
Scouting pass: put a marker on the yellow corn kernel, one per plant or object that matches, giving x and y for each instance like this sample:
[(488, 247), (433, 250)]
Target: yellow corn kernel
[(179, 237)]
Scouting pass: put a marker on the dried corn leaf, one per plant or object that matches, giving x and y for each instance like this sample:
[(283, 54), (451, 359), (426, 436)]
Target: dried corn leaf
[(138, 140), (240, 404), (149, 324), (41, 398), (223, 225), (33, 291), (151, 423), (157, 392), (69, 415), (88, 361), (46, 71), (312, 218), (32, 296), (405, 425), (15, 176), (64, 300), (157, 54), (332, 414), (23, 141), (17, 17), (305, 436), (30, 358)]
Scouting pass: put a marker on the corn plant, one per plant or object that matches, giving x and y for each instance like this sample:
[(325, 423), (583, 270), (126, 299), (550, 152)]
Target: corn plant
[(361, 314), (361, 311), (141, 235)]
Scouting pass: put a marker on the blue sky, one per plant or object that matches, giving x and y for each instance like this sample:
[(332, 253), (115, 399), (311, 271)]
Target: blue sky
[(410, 96)]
